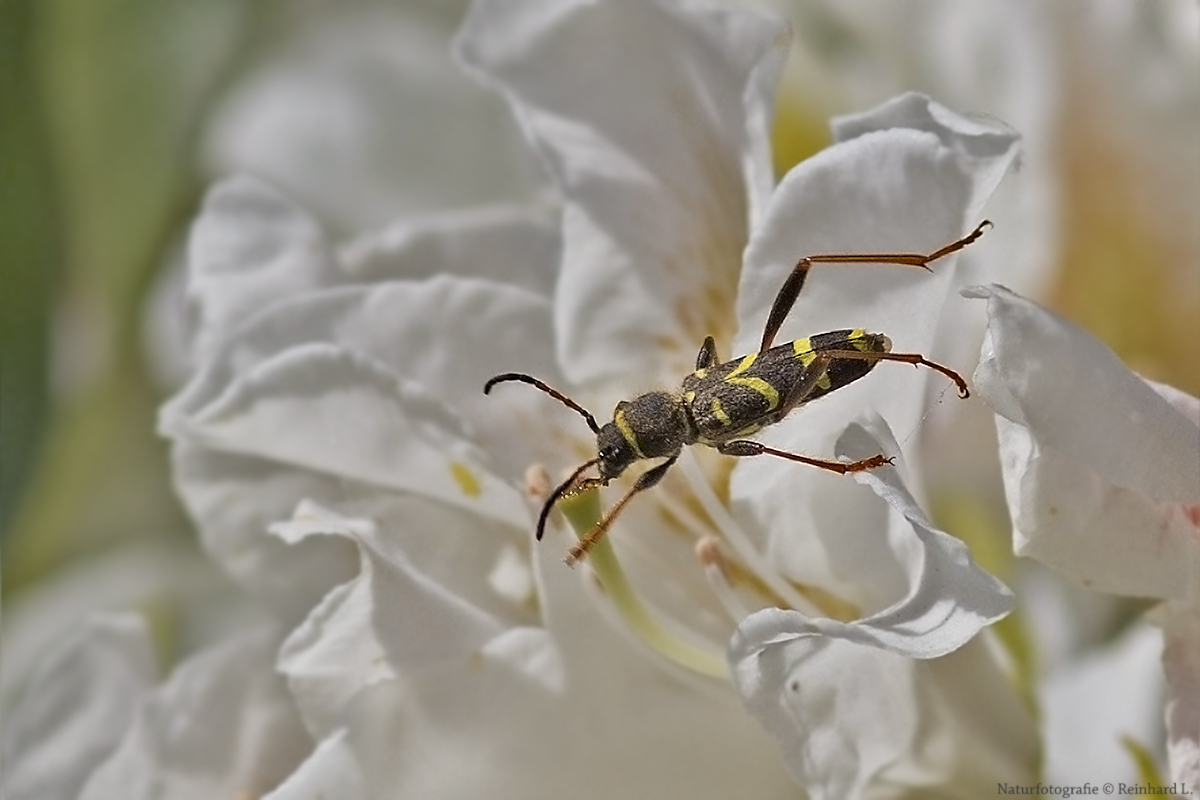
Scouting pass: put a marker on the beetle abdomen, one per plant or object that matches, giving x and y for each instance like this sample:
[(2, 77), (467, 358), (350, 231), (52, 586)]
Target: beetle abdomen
[(738, 397)]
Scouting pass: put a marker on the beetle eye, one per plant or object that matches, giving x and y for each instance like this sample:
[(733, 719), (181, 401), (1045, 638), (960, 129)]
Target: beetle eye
[(609, 453)]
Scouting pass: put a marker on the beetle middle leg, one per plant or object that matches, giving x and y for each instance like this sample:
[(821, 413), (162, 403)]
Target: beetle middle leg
[(707, 355), (795, 281)]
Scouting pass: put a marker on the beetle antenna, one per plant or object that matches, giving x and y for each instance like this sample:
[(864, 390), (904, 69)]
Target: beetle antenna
[(557, 395), (557, 494)]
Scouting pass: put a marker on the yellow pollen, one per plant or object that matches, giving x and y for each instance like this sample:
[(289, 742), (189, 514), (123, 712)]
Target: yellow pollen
[(465, 479)]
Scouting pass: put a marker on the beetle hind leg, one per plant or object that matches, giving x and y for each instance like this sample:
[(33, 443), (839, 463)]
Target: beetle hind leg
[(795, 280), (916, 359), (744, 448)]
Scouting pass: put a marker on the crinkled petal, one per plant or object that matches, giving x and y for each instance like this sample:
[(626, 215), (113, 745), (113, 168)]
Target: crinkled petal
[(988, 145), (249, 248), (947, 598), (513, 245), (847, 717), (663, 163), (175, 577), (234, 498), (406, 609), (361, 114), (447, 335), (484, 729), (855, 721), (790, 668), (76, 708), (222, 726), (525, 710), (1101, 472), (489, 726), (334, 411)]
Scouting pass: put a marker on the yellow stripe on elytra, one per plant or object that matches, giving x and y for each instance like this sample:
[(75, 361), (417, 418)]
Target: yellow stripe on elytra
[(757, 384), (858, 340), (804, 351), (803, 348), (627, 431)]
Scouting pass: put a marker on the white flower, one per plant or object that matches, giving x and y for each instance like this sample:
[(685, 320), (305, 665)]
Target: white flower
[(441, 652), (1102, 473)]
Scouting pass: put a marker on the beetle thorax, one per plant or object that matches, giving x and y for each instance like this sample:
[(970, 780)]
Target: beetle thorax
[(652, 425)]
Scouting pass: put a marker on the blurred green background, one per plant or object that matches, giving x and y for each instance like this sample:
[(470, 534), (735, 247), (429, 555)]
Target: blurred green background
[(100, 104)]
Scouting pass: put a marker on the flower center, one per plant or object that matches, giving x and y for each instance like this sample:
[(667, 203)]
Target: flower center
[(738, 574)]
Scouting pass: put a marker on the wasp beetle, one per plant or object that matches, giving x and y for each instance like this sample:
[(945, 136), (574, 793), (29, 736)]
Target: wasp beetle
[(720, 403)]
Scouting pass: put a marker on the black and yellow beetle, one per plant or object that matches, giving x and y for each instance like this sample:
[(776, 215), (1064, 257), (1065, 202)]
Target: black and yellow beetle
[(720, 403)]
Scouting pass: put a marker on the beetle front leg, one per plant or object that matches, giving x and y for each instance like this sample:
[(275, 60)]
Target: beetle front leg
[(645, 481)]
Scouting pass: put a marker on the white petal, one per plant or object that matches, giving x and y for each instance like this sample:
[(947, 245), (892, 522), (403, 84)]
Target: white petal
[(524, 710), (222, 725), (907, 182), (334, 411), (482, 728), (1182, 402), (139, 575), (1101, 472), (516, 246), (363, 116), (1090, 704), (332, 771), (895, 189), (249, 248), (986, 143), (662, 161), (76, 708), (855, 721), (234, 498), (380, 624), (946, 598), (1080, 398), (1181, 663), (333, 655), (447, 335), (784, 662)]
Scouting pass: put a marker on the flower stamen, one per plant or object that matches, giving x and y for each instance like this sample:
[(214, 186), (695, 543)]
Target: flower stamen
[(732, 533), (583, 512), (712, 561)]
